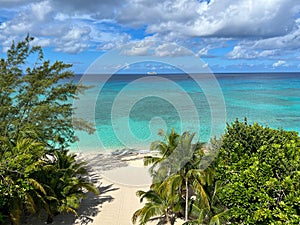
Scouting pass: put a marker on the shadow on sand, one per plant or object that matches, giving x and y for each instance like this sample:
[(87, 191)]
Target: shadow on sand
[(89, 208)]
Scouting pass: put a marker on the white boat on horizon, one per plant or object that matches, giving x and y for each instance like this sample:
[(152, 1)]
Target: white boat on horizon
[(151, 73)]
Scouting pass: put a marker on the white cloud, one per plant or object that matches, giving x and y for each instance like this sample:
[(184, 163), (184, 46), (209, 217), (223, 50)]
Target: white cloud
[(140, 48), (41, 10), (240, 52), (219, 18), (137, 50), (268, 47), (41, 20), (248, 52), (254, 25), (203, 52), (109, 40), (288, 41), (29, 20), (280, 63), (170, 49), (259, 28), (43, 42), (204, 66), (268, 53), (140, 12), (74, 41), (152, 45)]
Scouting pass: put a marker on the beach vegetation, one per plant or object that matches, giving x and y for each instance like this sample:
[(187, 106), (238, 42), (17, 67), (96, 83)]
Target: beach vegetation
[(64, 180), (37, 172), (159, 169), (188, 191), (159, 206), (259, 171), (254, 178), (19, 190)]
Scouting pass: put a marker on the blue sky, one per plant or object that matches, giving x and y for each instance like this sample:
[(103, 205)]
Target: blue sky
[(228, 36)]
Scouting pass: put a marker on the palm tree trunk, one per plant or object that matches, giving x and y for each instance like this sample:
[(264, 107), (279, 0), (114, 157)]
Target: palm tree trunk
[(186, 198)]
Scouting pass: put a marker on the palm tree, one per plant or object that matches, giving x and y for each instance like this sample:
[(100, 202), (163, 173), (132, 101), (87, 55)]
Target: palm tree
[(64, 180), (188, 179), (21, 191), (213, 214), (159, 206), (189, 189), (165, 149)]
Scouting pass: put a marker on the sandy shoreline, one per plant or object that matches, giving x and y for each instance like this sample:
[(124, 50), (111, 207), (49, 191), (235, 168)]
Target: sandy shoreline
[(118, 178)]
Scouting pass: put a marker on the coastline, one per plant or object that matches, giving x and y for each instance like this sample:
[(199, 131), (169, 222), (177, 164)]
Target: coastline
[(118, 178)]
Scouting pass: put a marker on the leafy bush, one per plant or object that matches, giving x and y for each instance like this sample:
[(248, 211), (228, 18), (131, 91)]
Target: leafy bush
[(35, 122), (259, 169)]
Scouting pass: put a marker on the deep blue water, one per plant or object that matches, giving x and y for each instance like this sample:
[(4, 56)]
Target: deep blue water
[(128, 110)]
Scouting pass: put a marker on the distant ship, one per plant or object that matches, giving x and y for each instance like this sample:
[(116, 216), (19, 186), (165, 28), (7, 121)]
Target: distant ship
[(151, 73)]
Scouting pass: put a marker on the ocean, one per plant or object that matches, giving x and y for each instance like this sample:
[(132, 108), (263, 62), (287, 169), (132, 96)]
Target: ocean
[(128, 110)]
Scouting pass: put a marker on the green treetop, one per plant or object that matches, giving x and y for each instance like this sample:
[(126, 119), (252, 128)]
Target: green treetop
[(34, 98), (37, 173), (259, 170)]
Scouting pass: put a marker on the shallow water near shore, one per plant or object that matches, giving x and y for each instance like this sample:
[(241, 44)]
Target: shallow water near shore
[(121, 122)]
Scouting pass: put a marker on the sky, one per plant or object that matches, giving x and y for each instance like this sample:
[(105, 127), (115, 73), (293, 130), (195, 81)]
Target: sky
[(228, 36)]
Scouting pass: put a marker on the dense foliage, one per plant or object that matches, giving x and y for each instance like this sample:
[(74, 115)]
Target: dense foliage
[(259, 168), (180, 189), (255, 179), (36, 171), (34, 98)]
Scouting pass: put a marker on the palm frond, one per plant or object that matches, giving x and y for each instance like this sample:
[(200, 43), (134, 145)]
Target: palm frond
[(203, 196), (149, 211), (30, 203), (170, 186), (219, 218), (15, 211), (148, 160), (37, 185), (151, 196)]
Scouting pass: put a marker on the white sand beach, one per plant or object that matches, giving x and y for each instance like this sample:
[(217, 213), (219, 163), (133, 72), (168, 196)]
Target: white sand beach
[(119, 184), (118, 187), (118, 178)]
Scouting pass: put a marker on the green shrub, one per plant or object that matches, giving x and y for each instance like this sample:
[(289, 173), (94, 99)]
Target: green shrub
[(259, 169), (35, 121)]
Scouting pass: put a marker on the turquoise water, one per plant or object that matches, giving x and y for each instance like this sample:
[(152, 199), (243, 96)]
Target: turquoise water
[(128, 110)]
